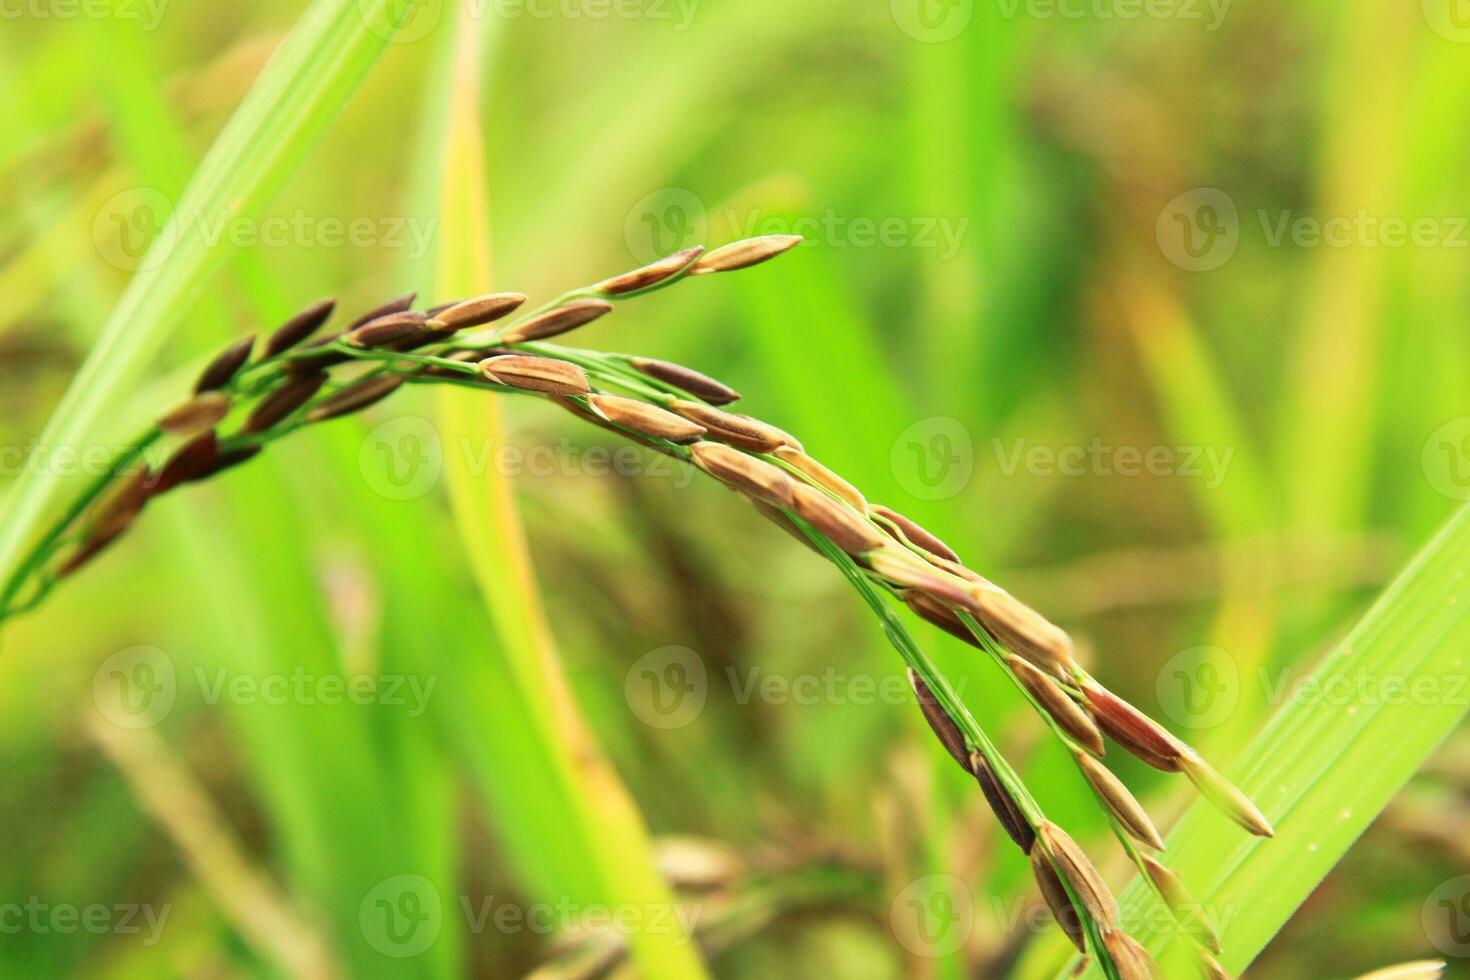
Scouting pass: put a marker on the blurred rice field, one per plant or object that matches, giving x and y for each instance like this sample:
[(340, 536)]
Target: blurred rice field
[(1156, 312)]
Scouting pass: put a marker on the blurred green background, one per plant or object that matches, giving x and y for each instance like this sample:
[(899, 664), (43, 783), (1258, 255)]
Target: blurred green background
[(1155, 311)]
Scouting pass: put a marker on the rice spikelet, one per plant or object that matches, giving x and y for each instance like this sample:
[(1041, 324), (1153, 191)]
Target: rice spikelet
[(1120, 802), (1132, 729), (1067, 713), (386, 329), (645, 418), (1224, 795), (1188, 913), (203, 411), (744, 472), (701, 386), (743, 254), (298, 328), (1080, 874), (1131, 959), (531, 373), (1056, 897), (1021, 629), (939, 720), (218, 372), (568, 316), (835, 520), (916, 533), (1006, 810), (735, 429), (355, 397), (936, 613), (280, 404), (649, 275), (820, 475), (902, 568), (474, 312)]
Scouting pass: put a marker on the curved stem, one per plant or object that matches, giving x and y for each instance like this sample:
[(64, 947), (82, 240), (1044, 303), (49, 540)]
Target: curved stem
[(46, 546)]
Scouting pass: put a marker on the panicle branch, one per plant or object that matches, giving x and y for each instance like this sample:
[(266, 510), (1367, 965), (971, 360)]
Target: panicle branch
[(244, 400)]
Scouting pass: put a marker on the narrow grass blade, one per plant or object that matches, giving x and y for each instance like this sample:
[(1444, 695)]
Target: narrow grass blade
[(1322, 770), (316, 69), (601, 818)]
